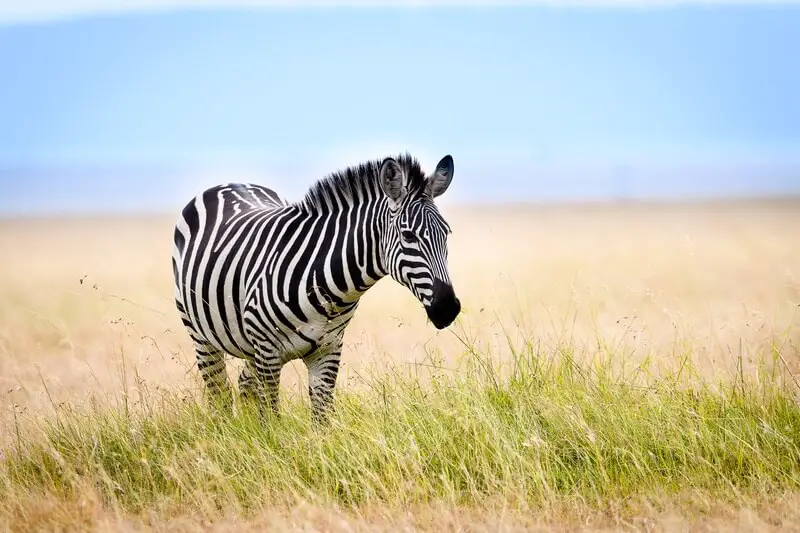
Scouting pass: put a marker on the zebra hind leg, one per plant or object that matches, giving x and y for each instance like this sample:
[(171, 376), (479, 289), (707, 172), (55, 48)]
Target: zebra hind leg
[(211, 364), (251, 389), (323, 369), (265, 370)]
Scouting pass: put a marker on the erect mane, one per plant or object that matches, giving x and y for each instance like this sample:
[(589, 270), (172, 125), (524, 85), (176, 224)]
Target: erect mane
[(345, 184)]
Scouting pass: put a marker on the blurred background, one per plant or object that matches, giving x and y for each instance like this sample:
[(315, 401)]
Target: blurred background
[(122, 106)]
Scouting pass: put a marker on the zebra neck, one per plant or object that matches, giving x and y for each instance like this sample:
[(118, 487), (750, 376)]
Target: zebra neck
[(369, 239), (354, 254)]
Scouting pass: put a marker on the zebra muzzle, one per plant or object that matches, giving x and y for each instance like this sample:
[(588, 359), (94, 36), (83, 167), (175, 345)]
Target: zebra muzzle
[(444, 307)]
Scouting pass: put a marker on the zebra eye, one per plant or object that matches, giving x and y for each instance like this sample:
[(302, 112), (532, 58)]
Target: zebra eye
[(408, 236)]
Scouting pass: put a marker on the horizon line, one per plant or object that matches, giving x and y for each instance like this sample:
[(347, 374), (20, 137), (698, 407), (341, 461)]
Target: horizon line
[(619, 201)]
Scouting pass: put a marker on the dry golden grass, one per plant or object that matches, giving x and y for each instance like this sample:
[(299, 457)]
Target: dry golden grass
[(86, 312), (673, 516)]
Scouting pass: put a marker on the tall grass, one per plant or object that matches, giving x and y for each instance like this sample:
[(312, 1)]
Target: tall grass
[(547, 431)]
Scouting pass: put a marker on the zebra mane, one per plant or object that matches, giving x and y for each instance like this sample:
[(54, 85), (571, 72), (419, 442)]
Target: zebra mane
[(345, 184)]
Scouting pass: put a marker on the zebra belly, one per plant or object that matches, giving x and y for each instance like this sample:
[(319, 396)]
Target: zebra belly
[(303, 339)]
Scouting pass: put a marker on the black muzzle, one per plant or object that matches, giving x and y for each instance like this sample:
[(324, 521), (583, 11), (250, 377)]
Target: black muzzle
[(444, 306)]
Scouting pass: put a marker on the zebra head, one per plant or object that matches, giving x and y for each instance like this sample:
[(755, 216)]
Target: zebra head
[(415, 243)]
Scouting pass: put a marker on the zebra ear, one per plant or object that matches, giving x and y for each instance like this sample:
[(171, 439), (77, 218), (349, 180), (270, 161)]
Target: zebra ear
[(393, 180), (441, 178)]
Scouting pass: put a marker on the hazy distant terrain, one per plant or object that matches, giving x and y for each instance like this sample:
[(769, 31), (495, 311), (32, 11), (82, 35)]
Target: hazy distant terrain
[(108, 189), (87, 315)]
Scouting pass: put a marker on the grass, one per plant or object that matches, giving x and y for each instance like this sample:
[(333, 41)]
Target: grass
[(548, 434), (613, 368)]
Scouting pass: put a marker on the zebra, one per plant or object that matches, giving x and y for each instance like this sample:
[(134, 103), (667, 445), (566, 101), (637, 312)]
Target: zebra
[(269, 281)]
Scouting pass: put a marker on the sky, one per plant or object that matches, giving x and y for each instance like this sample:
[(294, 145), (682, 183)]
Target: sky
[(141, 108)]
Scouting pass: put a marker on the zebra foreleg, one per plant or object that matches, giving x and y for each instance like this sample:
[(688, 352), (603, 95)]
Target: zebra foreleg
[(323, 369), (211, 364)]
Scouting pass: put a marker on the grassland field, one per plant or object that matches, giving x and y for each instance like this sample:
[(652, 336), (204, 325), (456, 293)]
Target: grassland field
[(615, 367)]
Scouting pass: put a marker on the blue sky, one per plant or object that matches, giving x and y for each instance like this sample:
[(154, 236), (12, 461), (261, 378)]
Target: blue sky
[(532, 101)]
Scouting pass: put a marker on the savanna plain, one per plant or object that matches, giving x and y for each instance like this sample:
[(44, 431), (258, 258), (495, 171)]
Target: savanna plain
[(615, 367)]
